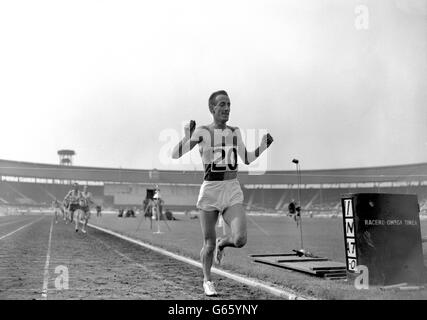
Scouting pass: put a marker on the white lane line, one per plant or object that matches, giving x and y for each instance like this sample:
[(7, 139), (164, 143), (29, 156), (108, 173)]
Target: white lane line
[(258, 226), (46, 266), (280, 292), (12, 222), (10, 233)]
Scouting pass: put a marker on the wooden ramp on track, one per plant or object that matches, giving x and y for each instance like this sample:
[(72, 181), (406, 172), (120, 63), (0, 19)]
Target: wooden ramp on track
[(316, 266)]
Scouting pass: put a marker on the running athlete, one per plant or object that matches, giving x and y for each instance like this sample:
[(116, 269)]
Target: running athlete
[(66, 211), (85, 202), (63, 211), (56, 206), (220, 193), (72, 199)]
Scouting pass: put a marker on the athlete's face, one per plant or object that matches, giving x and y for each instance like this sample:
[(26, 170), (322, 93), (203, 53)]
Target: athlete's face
[(221, 110)]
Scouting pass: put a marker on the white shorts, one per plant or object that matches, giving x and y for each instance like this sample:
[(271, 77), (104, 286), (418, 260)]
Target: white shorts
[(219, 195), (83, 213)]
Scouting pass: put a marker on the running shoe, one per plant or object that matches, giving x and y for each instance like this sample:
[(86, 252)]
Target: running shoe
[(218, 253), (209, 288), (83, 230)]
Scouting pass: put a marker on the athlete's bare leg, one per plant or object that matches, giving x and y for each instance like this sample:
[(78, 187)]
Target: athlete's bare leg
[(86, 220), (77, 218), (235, 219), (208, 221)]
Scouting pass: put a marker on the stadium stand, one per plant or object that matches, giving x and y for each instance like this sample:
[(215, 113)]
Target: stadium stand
[(35, 184), (7, 195)]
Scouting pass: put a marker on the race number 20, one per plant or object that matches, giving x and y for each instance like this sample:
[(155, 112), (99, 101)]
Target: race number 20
[(224, 159)]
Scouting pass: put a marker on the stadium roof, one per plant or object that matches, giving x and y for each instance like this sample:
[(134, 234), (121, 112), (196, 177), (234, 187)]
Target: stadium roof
[(411, 173)]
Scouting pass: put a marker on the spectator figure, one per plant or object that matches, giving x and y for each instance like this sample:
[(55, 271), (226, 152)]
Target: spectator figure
[(294, 211), (98, 210), (130, 213), (169, 215), (148, 206)]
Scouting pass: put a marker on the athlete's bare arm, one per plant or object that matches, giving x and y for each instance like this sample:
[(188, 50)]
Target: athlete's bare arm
[(249, 157), (187, 143), (67, 196), (89, 199)]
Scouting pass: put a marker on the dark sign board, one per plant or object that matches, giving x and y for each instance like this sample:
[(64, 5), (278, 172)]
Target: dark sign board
[(382, 232)]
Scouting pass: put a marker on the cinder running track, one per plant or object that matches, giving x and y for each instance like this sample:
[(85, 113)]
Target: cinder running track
[(34, 251)]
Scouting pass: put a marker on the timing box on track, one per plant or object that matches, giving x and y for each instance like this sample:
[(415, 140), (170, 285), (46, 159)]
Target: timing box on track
[(382, 232), (316, 266)]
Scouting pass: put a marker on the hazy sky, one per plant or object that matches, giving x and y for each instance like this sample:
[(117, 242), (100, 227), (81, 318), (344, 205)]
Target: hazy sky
[(111, 79)]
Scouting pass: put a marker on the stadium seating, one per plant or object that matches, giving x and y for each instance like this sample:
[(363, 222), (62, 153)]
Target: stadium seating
[(181, 198)]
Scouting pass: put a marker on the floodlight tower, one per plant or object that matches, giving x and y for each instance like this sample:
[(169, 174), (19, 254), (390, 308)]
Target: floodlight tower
[(66, 157)]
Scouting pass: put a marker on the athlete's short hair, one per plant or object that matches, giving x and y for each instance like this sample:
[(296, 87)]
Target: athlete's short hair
[(213, 97)]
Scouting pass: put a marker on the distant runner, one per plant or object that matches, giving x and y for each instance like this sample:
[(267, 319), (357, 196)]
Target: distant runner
[(72, 199), (84, 213), (56, 206)]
